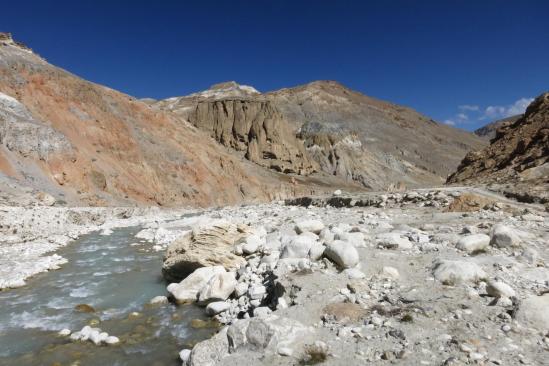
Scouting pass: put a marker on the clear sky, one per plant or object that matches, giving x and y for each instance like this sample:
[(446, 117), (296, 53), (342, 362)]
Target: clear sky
[(460, 62)]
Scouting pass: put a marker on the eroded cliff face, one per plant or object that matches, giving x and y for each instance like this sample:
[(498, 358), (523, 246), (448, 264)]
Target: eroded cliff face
[(253, 126), (518, 152)]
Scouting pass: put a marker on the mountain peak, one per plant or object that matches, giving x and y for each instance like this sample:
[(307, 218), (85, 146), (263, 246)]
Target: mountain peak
[(6, 39), (227, 89)]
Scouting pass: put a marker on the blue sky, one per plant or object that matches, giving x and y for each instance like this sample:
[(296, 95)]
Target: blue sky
[(461, 62)]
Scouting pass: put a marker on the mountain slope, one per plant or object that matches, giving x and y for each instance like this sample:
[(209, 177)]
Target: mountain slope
[(373, 141), (344, 133), (88, 144), (488, 131), (518, 152)]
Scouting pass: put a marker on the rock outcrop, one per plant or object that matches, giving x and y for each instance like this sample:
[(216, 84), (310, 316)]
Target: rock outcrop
[(488, 131), (518, 152), (256, 127)]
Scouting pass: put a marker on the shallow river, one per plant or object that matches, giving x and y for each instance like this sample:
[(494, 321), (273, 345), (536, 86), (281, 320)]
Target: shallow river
[(117, 280)]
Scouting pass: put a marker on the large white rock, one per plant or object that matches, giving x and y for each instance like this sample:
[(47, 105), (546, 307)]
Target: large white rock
[(184, 355), (496, 288), (217, 307), (298, 246), (187, 290), (342, 253), (252, 243), (473, 243), (504, 237), (310, 225), (219, 287), (534, 311), (394, 241), (452, 272)]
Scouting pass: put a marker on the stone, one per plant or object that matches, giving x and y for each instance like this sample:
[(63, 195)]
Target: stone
[(504, 237), (257, 292), (342, 253), (498, 288), (64, 332), (211, 351), (298, 247), (473, 243), (354, 273), (187, 290), (345, 312), (204, 247), (394, 241), (158, 300), (316, 251), (251, 244), (217, 307), (112, 340), (84, 308), (337, 192), (533, 312), (185, 355), (453, 272), (240, 289), (219, 287), (356, 239), (311, 225), (262, 311), (285, 351), (530, 256), (390, 272)]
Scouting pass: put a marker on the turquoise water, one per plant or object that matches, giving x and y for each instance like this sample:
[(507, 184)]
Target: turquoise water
[(116, 279)]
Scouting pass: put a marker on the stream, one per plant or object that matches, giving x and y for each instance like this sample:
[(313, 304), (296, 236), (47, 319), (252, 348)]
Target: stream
[(117, 280)]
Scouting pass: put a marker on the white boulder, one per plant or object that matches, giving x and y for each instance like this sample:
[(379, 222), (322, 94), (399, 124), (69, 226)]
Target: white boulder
[(342, 253), (504, 237), (452, 272), (394, 241), (219, 287), (498, 288), (217, 307), (473, 243), (187, 290), (310, 225)]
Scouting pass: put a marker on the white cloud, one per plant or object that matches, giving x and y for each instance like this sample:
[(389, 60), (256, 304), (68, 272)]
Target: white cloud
[(469, 107), (519, 106), (498, 111), (475, 114), (462, 117)]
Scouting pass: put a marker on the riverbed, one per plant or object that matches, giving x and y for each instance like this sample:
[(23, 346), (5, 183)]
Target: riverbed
[(115, 276)]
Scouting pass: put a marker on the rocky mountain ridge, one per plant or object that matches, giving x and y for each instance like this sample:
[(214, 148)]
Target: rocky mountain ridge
[(346, 134), (489, 131), (519, 151)]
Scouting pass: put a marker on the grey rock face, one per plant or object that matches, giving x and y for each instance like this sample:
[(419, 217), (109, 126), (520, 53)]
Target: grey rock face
[(22, 133)]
